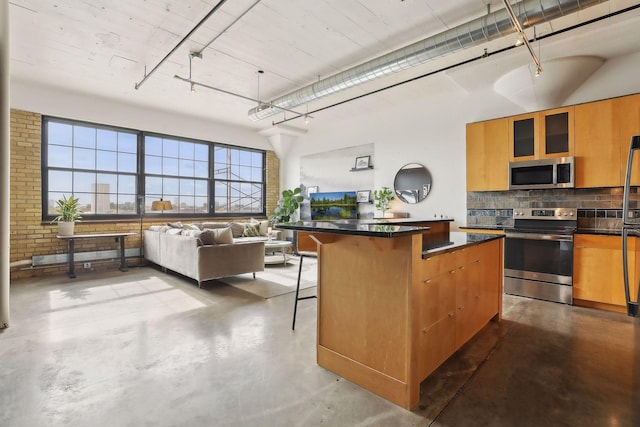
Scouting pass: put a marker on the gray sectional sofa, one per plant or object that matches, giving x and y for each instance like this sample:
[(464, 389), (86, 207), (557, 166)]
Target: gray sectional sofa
[(204, 251)]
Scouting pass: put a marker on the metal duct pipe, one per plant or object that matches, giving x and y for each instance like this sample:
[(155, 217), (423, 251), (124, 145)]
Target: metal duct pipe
[(480, 30)]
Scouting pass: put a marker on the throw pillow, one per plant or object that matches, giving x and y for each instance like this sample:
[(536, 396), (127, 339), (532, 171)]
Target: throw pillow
[(214, 236), (176, 231), (264, 226), (251, 230), (237, 229), (223, 236), (207, 237), (175, 224), (191, 227)]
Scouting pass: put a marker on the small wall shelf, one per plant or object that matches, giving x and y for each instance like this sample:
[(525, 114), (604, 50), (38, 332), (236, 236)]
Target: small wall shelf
[(361, 169)]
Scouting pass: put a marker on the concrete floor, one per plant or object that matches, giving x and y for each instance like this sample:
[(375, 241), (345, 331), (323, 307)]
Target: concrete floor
[(145, 348)]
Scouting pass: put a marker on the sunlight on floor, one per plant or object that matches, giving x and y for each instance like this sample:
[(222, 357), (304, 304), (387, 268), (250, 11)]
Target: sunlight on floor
[(80, 311)]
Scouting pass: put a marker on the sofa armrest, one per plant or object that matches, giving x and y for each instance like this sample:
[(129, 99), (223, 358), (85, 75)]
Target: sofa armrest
[(216, 261)]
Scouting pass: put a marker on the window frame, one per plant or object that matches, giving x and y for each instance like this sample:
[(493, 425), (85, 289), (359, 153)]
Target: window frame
[(140, 174)]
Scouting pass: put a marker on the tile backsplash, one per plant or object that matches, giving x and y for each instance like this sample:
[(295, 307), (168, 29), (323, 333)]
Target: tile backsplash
[(598, 208)]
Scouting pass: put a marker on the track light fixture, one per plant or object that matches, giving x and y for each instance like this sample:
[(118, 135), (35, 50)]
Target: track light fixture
[(523, 36)]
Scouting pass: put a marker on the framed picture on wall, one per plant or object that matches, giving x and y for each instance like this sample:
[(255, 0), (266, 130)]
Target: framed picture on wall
[(363, 162), (363, 196)]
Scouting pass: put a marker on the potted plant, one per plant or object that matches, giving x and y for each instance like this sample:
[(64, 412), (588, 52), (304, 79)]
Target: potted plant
[(287, 205), (68, 215), (383, 197)]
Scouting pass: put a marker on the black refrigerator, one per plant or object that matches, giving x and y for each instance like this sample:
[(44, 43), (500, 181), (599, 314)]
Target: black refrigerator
[(630, 224)]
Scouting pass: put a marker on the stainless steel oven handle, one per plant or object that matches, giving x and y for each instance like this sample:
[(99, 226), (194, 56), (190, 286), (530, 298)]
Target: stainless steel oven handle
[(535, 236)]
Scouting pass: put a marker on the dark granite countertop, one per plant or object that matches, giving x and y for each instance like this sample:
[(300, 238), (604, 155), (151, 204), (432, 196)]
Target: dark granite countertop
[(457, 239), (404, 220), (453, 240), (371, 228), (608, 232), (598, 231), (486, 227)]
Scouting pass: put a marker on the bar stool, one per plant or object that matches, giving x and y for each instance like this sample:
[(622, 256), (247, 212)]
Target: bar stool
[(299, 298)]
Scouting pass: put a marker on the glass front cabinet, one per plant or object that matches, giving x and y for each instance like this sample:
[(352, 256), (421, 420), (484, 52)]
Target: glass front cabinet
[(541, 135)]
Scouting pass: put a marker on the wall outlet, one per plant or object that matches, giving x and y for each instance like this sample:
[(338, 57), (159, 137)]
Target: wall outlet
[(87, 265)]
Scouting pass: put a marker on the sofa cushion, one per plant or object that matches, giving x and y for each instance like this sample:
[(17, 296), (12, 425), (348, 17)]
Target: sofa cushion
[(214, 225), (176, 224), (175, 231), (251, 229), (191, 227)]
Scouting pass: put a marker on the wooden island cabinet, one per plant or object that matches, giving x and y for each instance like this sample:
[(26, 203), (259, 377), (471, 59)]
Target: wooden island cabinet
[(395, 302)]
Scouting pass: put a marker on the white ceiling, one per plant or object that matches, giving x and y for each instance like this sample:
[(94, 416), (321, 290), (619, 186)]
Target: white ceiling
[(101, 48)]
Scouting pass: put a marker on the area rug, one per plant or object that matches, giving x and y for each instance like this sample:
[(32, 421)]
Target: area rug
[(277, 279)]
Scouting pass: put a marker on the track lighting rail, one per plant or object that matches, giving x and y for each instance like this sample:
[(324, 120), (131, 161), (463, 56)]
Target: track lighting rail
[(180, 43), (260, 103)]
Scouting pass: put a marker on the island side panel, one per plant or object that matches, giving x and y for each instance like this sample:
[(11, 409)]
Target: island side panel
[(364, 312)]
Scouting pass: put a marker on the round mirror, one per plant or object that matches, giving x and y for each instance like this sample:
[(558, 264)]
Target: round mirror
[(412, 183)]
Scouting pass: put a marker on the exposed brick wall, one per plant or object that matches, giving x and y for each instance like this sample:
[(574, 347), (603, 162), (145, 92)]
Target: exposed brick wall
[(31, 236), (273, 181)]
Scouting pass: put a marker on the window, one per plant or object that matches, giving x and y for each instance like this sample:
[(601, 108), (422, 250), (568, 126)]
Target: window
[(239, 180), (177, 171), (109, 169), (98, 165)]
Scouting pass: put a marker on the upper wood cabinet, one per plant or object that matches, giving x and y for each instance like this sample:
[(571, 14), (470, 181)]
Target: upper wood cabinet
[(488, 155), (523, 137), (597, 133), (603, 131), (627, 113), (597, 151), (542, 135)]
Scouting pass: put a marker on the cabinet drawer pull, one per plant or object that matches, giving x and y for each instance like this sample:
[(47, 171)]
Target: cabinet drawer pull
[(451, 314), (425, 281), (452, 272), (462, 268)]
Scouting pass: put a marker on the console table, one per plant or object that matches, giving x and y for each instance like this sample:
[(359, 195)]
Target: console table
[(117, 236)]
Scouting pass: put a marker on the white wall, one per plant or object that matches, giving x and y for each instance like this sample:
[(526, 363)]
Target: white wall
[(79, 106)]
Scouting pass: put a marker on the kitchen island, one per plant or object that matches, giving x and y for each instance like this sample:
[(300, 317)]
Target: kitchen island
[(394, 302)]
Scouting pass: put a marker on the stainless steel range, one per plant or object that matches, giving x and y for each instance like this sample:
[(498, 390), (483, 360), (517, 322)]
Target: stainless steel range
[(538, 254)]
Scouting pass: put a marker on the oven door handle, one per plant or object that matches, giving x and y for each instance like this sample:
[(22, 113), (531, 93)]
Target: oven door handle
[(534, 236)]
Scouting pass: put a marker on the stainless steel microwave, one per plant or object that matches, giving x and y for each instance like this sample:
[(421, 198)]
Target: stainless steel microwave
[(543, 173)]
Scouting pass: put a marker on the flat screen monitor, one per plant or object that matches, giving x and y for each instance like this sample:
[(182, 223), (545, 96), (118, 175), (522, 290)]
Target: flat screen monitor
[(333, 205)]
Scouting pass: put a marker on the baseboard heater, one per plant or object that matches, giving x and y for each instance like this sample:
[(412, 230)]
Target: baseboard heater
[(40, 260)]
